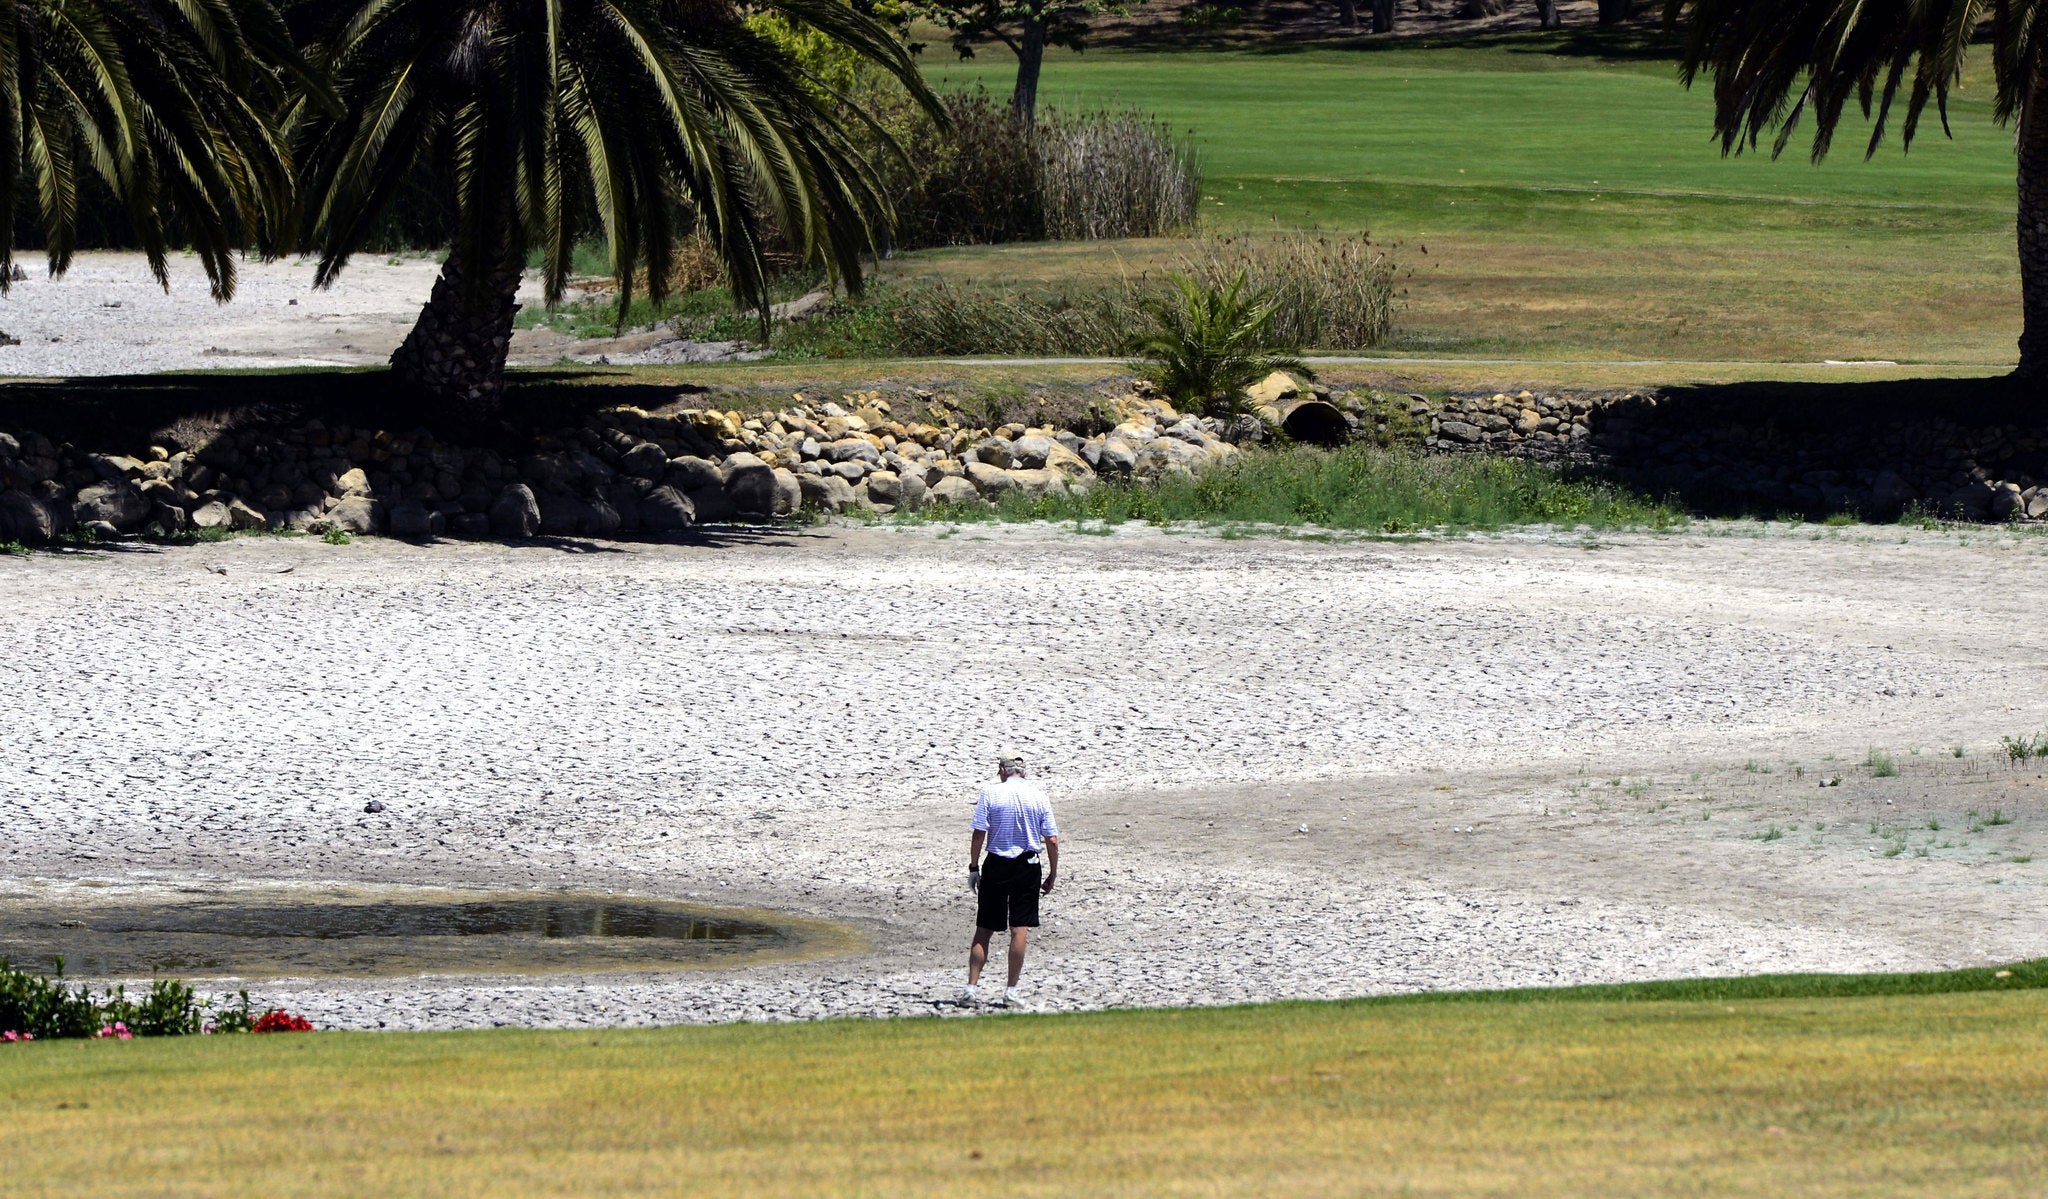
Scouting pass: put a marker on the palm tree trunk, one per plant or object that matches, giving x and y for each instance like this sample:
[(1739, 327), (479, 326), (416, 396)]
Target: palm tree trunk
[(1383, 16), (1030, 57), (455, 354), (2032, 144), (1546, 14), (1347, 13)]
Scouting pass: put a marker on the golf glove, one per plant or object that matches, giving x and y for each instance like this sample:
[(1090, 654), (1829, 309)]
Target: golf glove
[(973, 880)]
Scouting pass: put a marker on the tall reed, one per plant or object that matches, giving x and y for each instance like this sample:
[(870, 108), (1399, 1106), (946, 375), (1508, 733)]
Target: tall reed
[(1328, 293), (1114, 174)]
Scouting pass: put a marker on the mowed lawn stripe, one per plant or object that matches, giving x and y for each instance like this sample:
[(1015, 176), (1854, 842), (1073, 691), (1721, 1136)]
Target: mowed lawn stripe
[(1924, 1093), (1568, 206)]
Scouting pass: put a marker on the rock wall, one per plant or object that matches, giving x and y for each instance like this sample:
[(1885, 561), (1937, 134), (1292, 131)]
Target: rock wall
[(1740, 449), (623, 470)]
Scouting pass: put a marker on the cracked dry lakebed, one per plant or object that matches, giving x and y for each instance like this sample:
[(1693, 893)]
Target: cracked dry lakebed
[(1283, 768)]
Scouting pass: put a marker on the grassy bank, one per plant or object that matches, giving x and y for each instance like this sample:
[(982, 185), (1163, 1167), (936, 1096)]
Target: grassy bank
[(1359, 489), (1833, 1089), (1558, 196)]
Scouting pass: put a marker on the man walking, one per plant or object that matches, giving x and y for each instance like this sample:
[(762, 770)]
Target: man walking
[(1013, 820)]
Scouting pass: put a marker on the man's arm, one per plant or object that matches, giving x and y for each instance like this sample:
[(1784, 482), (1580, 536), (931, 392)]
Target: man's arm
[(974, 845), (1052, 864)]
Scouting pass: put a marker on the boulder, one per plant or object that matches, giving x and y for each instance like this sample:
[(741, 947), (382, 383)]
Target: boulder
[(409, 518), (996, 452), (1030, 453), (852, 449), (561, 515), (26, 518), (750, 485), (711, 504), (644, 461), (789, 495), (600, 519), (352, 482), (9, 447), (691, 473), (1272, 390), (1458, 430), (955, 490), (515, 513), (2006, 501), (1116, 455), (899, 491), (665, 510), (989, 480), (827, 493), (115, 502), (1135, 431), (1889, 492), (1073, 466), (114, 468), (241, 516), (210, 515), (1036, 483), (1170, 455), (357, 514), (852, 472)]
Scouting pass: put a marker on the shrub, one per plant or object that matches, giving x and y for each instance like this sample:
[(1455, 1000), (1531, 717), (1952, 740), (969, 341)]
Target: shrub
[(991, 180), (35, 1008), (1209, 341)]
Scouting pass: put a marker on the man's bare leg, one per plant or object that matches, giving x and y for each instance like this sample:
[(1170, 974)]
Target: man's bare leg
[(1016, 953), (977, 957)]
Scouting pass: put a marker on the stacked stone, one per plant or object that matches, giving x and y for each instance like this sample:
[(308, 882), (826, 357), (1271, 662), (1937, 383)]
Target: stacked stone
[(1970, 472), (624, 471)]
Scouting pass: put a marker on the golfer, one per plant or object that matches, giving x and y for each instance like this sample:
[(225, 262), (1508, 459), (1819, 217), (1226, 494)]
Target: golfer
[(1013, 820)]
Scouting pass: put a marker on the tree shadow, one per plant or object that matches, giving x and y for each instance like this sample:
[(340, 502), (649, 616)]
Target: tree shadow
[(123, 411), (1814, 449)]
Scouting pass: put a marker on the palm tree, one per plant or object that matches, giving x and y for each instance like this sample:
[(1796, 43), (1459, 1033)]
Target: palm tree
[(538, 119), (169, 103), (1209, 341), (1775, 61)]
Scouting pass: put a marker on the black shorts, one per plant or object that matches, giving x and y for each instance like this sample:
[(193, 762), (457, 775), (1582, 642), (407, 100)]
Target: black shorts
[(1009, 893)]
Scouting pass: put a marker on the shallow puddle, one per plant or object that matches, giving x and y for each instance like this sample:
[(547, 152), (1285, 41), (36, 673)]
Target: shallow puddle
[(353, 932)]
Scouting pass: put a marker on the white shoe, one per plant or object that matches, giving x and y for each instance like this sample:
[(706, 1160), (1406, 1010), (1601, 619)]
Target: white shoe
[(970, 996), (1011, 999)]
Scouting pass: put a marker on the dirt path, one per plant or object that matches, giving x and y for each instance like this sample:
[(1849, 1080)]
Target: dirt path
[(1285, 768)]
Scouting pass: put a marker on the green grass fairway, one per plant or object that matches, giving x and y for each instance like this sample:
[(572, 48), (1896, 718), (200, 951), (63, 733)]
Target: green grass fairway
[(1834, 1087), (1572, 205)]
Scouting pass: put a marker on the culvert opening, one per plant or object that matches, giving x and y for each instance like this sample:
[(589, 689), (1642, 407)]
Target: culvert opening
[(352, 935)]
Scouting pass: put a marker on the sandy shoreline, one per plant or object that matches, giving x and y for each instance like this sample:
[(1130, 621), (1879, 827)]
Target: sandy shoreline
[(1502, 749)]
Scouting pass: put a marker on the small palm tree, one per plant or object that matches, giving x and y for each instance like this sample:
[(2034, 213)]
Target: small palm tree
[(538, 119), (169, 102), (1773, 62), (1209, 342)]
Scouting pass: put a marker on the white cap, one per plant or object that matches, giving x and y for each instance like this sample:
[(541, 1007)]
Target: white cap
[(1009, 759)]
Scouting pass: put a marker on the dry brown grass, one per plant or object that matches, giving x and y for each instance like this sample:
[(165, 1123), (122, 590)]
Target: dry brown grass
[(1818, 1097)]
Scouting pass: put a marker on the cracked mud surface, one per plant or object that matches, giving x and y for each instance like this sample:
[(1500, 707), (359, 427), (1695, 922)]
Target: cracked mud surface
[(1519, 760)]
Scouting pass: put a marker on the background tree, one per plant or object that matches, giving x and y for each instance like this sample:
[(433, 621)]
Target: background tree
[(538, 119), (1614, 12), (1775, 61), (1547, 14), (1383, 16), (169, 104), (1027, 27)]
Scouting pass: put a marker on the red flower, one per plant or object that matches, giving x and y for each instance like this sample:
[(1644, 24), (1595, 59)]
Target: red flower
[(279, 1020)]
